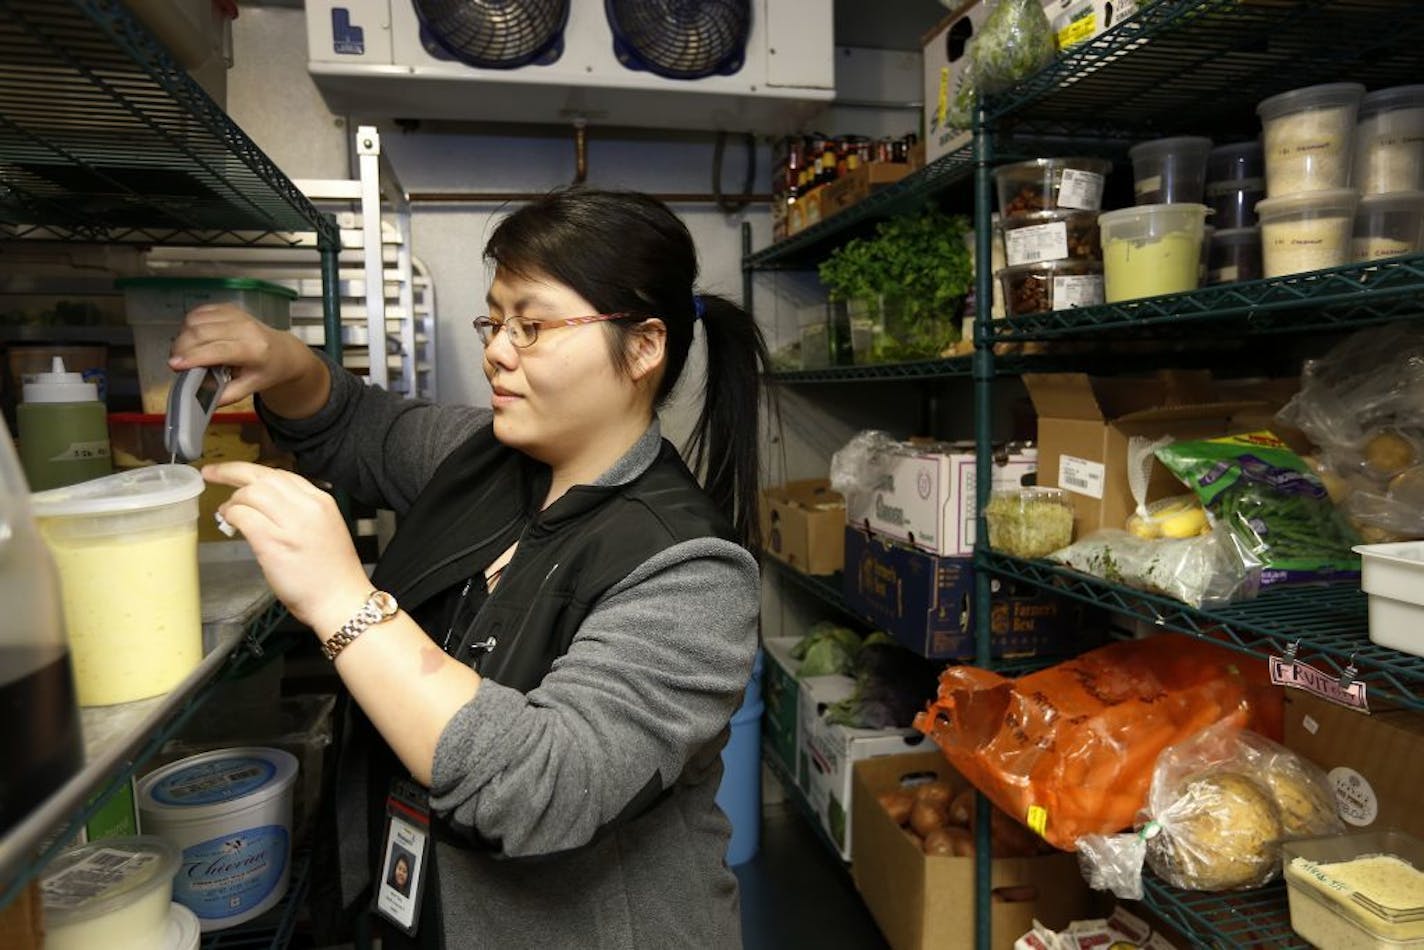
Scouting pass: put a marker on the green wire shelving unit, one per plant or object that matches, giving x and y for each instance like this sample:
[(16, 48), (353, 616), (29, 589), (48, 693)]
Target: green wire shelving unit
[(105, 139), (1176, 67)]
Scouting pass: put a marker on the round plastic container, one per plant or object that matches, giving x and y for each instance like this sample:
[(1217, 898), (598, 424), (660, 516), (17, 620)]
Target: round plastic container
[(1029, 522), (1170, 171), (1050, 184), (230, 813), (1240, 164), (739, 795), (1207, 233), (183, 930), (1308, 138), (1151, 250), (1051, 236), (1388, 226), (126, 547), (1389, 141), (115, 893), (1235, 255), (1051, 285), (1306, 232)]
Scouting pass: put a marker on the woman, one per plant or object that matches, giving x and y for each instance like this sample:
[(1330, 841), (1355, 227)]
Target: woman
[(577, 617)]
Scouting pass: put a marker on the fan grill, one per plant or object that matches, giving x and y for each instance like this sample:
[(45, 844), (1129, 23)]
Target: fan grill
[(680, 39), (496, 34)]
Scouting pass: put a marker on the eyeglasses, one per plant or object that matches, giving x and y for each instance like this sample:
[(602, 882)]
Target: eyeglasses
[(523, 332)]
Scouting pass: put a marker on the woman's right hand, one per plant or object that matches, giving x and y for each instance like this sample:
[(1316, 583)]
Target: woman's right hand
[(293, 381)]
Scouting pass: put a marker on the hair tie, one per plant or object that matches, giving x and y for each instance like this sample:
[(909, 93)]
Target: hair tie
[(699, 307)]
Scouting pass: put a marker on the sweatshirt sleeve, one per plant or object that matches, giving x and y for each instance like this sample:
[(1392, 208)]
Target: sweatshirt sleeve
[(655, 672), (380, 447)]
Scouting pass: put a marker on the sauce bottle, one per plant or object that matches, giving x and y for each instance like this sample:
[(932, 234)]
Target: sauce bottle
[(64, 432)]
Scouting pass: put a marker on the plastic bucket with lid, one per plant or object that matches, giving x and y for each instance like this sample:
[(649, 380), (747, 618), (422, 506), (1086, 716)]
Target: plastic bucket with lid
[(1235, 181), (1388, 226), (126, 547), (1170, 171), (1308, 137), (183, 931), (1389, 141), (115, 893), (1151, 250), (1306, 232), (230, 813), (739, 795)]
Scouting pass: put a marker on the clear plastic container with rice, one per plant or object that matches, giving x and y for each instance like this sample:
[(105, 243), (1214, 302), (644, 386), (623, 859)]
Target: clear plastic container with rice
[(1029, 522), (115, 893), (1358, 891), (1388, 226), (1306, 232), (1051, 184), (155, 308), (1051, 285), (126, 547), (1151, 250), (1235, 181), (1234, 255), (1389, 141), (1170, 171), (1051, 236), (1308, 136)]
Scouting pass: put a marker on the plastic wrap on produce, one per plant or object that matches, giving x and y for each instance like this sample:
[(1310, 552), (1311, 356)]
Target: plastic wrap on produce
[(1220, 805), (1204, 571), (1362, 407), (1016, 41), (1069, 750), (863, 463)]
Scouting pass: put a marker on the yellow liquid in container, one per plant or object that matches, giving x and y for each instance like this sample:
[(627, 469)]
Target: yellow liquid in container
[(132, 610), (1166, 264)]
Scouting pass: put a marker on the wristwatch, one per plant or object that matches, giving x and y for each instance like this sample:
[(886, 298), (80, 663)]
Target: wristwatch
[(379, 607)]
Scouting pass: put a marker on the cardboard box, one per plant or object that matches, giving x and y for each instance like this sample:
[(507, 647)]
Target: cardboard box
[(927, 903), (926, 498), (802, 524), (1084, 424), (827, 752), (780, 692), (944, 60), (858, 184), (923, 601), (1078, 21), (1375, 762), (805, 212)]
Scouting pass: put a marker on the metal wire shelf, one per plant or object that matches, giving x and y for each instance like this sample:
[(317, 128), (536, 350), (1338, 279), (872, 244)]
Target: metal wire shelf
[(1327, 624), (1258, 918), (103, 137), (1204, 64), (1340, 297)]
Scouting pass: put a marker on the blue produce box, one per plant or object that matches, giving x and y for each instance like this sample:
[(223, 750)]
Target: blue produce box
[(924, 601)]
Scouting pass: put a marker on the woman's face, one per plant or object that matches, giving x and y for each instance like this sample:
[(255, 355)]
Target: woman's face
[(402, 872), (553, 398)]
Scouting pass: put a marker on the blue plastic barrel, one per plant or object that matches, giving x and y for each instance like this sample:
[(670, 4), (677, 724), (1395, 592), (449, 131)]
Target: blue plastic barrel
[(739, 795)]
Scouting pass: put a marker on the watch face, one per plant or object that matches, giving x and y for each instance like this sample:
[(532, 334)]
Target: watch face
[(385, 603)]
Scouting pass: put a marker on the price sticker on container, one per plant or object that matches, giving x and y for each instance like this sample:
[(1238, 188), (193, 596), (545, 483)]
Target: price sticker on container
[(1036, 243), (1081, 476), (1077, 290), (1081, 190)]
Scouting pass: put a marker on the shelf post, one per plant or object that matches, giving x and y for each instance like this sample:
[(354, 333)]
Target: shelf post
[(983, 371)]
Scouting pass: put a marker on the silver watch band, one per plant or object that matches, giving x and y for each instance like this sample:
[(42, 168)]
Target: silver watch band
[(379, 606)]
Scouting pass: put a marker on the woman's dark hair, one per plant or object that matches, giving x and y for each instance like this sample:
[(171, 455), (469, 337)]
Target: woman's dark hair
[(625, 251)]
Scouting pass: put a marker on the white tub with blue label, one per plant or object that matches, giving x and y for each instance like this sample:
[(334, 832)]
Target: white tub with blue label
[(230, 814)]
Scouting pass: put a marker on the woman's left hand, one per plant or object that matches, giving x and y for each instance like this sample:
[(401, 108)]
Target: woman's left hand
[(300, 539)]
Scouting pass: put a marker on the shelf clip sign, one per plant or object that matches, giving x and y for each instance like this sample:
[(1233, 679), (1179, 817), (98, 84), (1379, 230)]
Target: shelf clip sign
[(1344, 690)]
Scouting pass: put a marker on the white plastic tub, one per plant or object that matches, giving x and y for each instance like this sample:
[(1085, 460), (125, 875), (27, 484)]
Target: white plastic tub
[(1151, 250), (230, 813), (1306, 232), (1389, 141), (126, 547), (1308, 136), (114, 894), (1170, 171), (183, 930), (1388, 226), (1393, 577)]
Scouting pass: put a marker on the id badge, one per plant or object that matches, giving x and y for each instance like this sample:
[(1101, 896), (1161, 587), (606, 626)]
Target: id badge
[(405, 858)]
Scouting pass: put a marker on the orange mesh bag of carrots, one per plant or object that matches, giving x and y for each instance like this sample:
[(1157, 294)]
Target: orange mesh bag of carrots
[(1069, 750)]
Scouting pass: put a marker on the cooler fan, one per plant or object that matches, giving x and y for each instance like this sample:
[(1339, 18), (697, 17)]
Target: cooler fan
[(494, 34), (680, 39)]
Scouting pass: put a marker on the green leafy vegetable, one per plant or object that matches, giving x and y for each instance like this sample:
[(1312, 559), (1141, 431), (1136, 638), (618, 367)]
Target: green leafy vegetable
[(1016, 41)]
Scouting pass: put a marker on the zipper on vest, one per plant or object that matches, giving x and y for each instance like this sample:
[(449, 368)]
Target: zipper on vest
[(463, 552)]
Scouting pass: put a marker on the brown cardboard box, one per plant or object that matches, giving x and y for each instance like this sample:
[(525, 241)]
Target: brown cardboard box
[(1375, 762), (923, 902), (857, 185), (805, 212), (803, 524), (21, 926), (945, 58), (1084, 424)]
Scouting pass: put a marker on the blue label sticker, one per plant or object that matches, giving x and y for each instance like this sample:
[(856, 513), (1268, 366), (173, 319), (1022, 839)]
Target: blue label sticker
[(347, 39), (220, 780), (231, 875)]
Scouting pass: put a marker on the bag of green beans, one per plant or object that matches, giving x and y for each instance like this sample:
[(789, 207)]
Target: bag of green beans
[(1276, 506)]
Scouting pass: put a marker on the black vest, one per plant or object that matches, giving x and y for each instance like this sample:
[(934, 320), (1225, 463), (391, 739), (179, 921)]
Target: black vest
[(483, 498)]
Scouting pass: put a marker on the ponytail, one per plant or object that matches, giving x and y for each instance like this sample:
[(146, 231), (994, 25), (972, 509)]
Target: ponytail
[(725, 443)]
